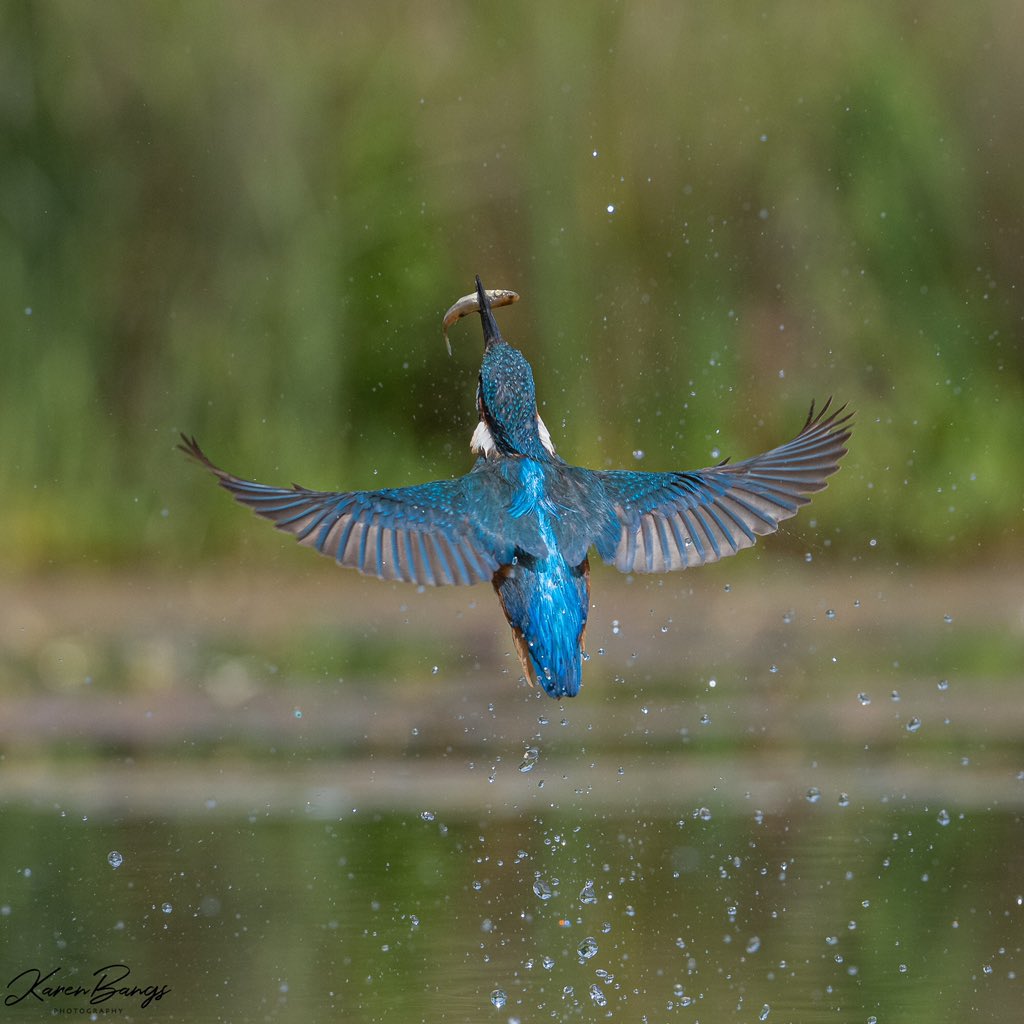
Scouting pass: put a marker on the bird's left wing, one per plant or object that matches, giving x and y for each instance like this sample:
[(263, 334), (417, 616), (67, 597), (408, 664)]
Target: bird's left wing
[(675, 520), (421, 534)]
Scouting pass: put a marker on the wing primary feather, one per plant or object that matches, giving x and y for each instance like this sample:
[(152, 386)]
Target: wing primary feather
[(422, 533), (735, 498), (646, 524), (409, 572), (364, 554), (723, 530), (693, 533), (427, 570), (672, 557), (682, 546), (440, 561), (462, 575)]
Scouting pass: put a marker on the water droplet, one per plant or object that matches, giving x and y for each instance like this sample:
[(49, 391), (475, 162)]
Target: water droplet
[(787, 617), (753, 944), (114, 859), (297, 713), (913, 725), (864, 699), (434, 671), (705, 719), (844, 799), (427, 815), (895, 696), (943, 818), (498, 998), (813, 795), (765, 1010), (547, 962), (597, 995), (529, 761), (610, 208), (830, 614), (943, 684), (167, 908), (587, 894), (587, 949), (773, 669), (704, 813), (541, 889), (808, 557), (639, 454), (902, 968), (947, 619)]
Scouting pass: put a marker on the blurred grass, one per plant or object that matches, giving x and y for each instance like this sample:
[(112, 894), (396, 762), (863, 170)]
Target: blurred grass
[(245, 222)]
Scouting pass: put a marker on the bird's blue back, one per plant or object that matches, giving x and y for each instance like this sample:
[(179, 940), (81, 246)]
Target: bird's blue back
[(546, 596)]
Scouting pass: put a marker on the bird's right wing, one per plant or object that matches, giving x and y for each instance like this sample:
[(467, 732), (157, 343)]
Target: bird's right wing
[(422, 534), (671, 521)]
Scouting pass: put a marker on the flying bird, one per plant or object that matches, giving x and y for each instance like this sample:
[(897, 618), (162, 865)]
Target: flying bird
[(526, 520)]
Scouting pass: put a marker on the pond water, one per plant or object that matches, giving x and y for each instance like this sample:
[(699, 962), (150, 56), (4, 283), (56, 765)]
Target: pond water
[(756, 810)]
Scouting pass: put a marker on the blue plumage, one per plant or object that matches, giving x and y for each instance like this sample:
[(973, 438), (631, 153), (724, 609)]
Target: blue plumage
[(525, 519)]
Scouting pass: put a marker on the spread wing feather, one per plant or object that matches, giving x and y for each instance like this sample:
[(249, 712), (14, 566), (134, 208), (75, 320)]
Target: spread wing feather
[(676, 520), (421, 534)]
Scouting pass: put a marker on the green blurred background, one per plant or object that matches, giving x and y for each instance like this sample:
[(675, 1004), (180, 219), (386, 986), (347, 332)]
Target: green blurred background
[(793, 782), (245, 220)]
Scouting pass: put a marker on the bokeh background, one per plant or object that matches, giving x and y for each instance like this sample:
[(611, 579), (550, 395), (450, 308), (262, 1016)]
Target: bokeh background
[(245, 223), (792, 786)]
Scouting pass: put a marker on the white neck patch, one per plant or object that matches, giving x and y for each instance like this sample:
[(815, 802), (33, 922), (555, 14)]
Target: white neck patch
[(482, 441), (545, 435)]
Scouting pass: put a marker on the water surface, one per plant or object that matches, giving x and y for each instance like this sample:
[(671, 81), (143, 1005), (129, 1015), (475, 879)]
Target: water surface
[(809, 817)]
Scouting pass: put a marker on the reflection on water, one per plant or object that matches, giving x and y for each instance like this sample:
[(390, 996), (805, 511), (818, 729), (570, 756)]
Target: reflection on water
[(815, 913), (789, 828)]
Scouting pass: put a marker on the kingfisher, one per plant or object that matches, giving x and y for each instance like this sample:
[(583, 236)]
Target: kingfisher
[(526, 520)]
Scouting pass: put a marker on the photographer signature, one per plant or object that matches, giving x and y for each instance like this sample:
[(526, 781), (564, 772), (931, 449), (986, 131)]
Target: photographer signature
[(110, 982)]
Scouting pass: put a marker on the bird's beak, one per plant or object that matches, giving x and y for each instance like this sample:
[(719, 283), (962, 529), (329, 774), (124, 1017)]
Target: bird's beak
[(480, 302), (492, 336)]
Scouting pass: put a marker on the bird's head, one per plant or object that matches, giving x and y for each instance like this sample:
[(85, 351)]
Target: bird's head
[(506, 397)]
